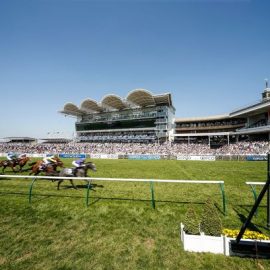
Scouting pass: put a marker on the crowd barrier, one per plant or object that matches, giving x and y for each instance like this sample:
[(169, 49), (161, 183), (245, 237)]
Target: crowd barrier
[(153, 157)]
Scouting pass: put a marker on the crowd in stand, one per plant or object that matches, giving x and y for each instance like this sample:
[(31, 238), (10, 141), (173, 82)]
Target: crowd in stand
[(240, 148)]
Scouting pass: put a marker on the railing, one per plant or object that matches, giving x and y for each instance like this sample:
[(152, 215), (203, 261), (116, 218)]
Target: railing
[(253, 189), (89, 179)]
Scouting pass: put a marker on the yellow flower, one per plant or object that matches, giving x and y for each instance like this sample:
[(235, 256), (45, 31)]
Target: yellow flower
[(247, 235)]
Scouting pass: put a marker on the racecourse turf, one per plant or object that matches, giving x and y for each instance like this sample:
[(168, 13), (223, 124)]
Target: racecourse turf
[(120, 229)]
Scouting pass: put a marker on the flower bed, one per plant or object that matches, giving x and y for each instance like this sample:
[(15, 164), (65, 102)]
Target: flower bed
[(247, 235), (225, 244)]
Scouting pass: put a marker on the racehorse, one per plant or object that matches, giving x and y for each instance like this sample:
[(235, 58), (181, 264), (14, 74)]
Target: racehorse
[(13, 163), (81, 172), (50, 169)]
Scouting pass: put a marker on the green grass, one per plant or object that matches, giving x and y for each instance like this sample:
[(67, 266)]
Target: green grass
[(120, 230)]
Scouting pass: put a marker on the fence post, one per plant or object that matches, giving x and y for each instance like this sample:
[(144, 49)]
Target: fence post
[(87, 193), (30, 190), (152, 194), (253, 189), (223, 197)]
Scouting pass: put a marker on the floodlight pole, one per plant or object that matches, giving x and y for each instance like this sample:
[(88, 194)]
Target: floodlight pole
[(257, 203)]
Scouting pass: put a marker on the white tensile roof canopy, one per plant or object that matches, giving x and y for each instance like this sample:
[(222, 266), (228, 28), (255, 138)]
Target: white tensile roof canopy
[(113, 101), (89, 105), (136, 98)]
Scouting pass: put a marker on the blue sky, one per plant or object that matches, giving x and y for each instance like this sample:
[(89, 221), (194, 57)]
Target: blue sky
[(213, 56)]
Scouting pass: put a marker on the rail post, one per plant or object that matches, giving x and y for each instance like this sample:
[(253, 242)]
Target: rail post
[(152, 195), (87, 193), (221, 185), (253, 189), (30, 190)]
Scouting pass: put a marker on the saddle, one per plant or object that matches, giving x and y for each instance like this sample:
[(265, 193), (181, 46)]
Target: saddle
[(75, 170), (13, 161)]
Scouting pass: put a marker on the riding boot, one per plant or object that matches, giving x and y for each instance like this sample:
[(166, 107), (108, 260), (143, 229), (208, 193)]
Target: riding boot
[(42, 167)]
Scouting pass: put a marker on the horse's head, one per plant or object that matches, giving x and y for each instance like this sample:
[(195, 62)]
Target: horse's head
[(90, 165), (59, 162), (25, 159)]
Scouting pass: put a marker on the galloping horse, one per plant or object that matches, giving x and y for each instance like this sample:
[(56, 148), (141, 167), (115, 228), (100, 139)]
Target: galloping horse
[(13, 163), (81, 172), (50, 169)]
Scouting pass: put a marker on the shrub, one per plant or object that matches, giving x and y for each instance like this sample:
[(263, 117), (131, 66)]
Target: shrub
[(210, 221), (191, 222)]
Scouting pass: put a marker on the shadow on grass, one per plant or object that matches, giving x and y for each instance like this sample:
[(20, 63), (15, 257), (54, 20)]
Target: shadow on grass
[(219, 208), (92, 186), (96, 198), (5, 178), (243, 218)]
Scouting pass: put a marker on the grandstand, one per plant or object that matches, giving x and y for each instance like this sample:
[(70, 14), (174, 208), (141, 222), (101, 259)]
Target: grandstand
[(144, 117), (257, 117), (251, 122), (19, 140), (140, 117), (213, 130)]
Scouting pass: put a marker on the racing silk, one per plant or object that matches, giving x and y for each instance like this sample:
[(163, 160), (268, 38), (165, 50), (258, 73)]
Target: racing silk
[(77, 163), (11, 156), (49, 160)]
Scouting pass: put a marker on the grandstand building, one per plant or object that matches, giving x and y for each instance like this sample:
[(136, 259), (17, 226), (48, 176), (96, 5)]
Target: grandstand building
[(140, 117), (144, 117), (251, 122), (19, 140), (214, 130)]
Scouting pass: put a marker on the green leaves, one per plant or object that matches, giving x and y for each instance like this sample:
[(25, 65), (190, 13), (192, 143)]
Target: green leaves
[(191, 222), (210, 222)]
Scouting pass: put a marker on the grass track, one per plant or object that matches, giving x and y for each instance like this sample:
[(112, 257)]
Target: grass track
[(120, 230)]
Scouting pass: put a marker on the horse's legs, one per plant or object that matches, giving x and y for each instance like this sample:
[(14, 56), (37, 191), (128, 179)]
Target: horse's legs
[(13, 169), (59, 182), (37, 172), (71, 181)]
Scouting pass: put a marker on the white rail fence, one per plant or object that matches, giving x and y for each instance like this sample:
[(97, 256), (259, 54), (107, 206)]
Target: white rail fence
[(90, 179)]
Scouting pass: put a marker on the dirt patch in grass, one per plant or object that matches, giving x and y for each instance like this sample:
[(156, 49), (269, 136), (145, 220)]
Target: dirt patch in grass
[(3, 260), (149, 243), (24, 257)]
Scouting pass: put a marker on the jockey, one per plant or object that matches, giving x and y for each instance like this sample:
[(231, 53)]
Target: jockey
[(79, 163), (22, 156), (11, 156), (47, 161)]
